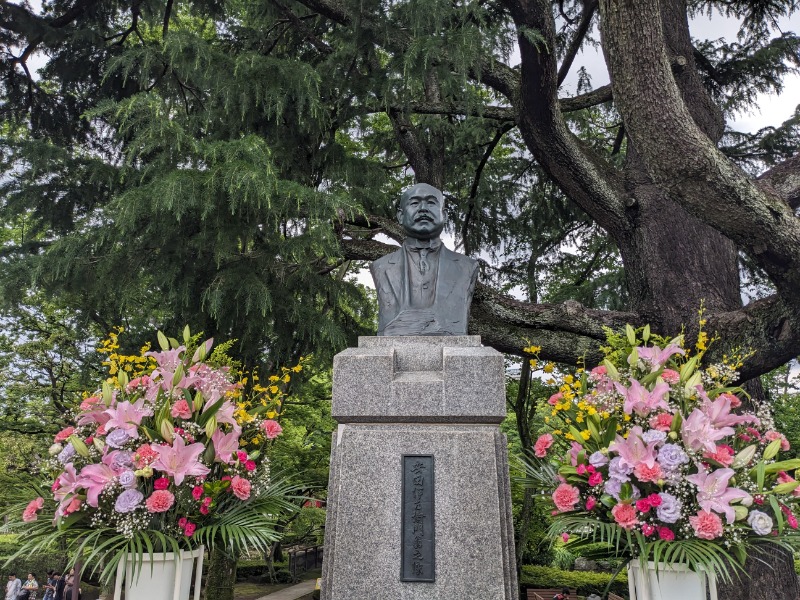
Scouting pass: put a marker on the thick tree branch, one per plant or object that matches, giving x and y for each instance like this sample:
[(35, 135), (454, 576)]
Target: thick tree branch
[(783, 180), (692, 169), (585, 177), (303, 28), (601, 95), (589, 8)]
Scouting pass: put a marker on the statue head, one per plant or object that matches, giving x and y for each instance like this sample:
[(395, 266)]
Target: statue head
[(421, 211)]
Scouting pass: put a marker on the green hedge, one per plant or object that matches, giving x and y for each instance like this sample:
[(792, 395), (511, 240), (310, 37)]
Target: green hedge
[(9, 543), (39, 564), (534, 576), (250, 569)]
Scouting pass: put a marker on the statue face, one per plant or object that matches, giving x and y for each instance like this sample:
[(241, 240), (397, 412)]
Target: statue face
[(421, 211)]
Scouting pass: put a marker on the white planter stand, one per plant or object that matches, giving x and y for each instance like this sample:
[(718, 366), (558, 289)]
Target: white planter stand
[(672, 582), (161, 576)]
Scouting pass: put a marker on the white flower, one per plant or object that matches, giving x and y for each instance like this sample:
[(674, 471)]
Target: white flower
[(760, 522)]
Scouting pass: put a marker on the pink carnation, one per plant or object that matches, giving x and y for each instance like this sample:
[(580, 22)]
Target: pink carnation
[(189, 530), (143, 456), (181, 410), (197, 492), (555, 399), (90, 402), (654, 500), (160, 501), (662, 422), (542, 444), (784, 477), (706, 525), (73, 506), (670, 376), (240, 487), (643, 505), (734, 400), (791, 520), (597, 373), (648, 529), (64, 434), (666, 534), (241, 455), (644, 473), (250, 465), (566, 497), (161, 483), (595, 479), (774, 435), (590, 503), (625, 516), (272, 429), (31, 511), (723, 455)]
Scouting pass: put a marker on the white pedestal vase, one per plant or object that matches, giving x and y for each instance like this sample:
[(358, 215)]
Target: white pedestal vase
[(161, 576), (671, 582)]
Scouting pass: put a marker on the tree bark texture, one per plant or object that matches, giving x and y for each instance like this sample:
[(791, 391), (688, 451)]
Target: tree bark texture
[(220, 575)]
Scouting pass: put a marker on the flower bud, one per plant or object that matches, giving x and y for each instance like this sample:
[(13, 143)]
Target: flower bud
[(55, 449), (673, 435)]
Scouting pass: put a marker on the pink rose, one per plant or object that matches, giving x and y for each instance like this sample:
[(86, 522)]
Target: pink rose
[(566, 497), (555, 399), (197, 492), (73, 506), (590, 503), (160, 501), (670, 376), (625, 516), (181, 410), (31, 511), (240, 487), (542, 444), (161, 483), (64, 434), (250, 465), (666, 534), (644, 473), (706, 525), (662, 422), (595, 479), (272, 429)]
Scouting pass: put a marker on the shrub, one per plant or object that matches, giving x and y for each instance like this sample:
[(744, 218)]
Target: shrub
[(253, 569), (534, 576), (9, 544), (38, 564)]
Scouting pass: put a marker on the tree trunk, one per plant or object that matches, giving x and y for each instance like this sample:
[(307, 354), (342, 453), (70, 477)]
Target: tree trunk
[(221, 575), (770, 575)]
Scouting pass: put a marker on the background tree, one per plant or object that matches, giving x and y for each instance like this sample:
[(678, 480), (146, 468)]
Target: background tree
[(229, 162)]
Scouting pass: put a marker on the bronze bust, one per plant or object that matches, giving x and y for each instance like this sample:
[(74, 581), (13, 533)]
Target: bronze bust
[(423, 288)]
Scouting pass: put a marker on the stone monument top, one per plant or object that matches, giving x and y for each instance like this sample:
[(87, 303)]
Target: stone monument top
[(423, 288)]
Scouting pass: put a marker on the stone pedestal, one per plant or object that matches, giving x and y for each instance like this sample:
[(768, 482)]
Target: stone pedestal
[(404, 396)]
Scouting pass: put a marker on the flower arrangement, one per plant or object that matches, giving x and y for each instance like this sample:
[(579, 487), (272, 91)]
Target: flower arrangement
[(663, 459), (167, 455)]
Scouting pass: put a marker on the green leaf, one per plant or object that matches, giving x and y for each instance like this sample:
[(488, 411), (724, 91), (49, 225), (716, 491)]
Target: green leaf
[(773, 502)]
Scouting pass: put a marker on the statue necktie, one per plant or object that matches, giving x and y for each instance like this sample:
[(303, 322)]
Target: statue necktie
[(423, 262)]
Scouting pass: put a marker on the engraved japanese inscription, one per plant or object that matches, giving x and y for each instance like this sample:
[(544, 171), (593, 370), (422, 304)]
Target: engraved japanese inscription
[(418, 561)]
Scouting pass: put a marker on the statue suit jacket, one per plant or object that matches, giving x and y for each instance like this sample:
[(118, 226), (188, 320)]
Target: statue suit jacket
[(455, 284)]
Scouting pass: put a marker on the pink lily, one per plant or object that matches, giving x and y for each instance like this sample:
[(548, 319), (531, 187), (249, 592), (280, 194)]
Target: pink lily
[(224, 414), (67, 482), (127, 416), (713, 492), (698, 432), (633, 451), (180, 460), (639, 400), (719, 411), (225, 445), (94, 478), (656, 357)]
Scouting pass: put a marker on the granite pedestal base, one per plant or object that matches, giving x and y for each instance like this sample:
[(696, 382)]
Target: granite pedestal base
[(438, 396)]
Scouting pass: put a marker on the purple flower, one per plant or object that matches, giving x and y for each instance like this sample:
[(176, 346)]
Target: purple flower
[(672, 456), (654, 435), (66, 454), (598, 459), (122, 460), (127, 479), (614, 486), (669, 510), (117, 438), (619, 470), (128, 500)]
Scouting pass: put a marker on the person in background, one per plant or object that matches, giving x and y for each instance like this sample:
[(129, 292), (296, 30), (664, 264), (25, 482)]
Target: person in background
[(13, 587), (61, 582), (70, 577), (564, 595), (50, 586), (31, 586)]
